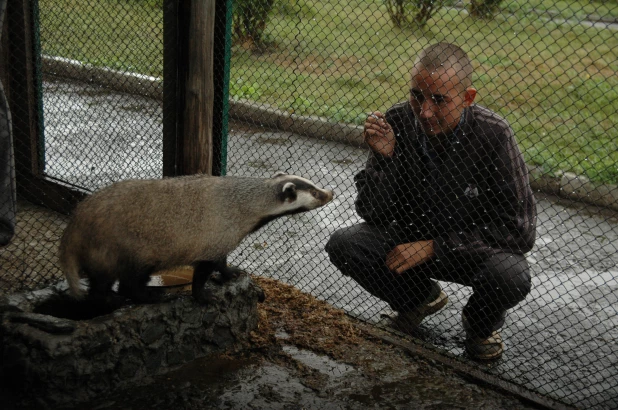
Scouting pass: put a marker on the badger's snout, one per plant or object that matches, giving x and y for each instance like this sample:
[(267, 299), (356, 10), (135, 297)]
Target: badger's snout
[(300, 195), (329, 194), (323, 196)]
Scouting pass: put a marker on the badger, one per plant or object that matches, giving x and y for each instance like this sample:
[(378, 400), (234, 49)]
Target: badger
[(134, 228)]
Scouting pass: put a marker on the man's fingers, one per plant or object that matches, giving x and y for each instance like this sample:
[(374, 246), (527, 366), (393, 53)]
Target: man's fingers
[(376, 138), (403, 265), (400, 267), (375, 115), (395, 262), (377, 118), (398, 261), (375, 128)]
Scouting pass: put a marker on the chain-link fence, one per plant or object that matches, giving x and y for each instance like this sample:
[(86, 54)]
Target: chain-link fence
[(444, 197)]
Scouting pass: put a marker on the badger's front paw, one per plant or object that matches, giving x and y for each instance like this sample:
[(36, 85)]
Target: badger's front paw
[(227, 273)]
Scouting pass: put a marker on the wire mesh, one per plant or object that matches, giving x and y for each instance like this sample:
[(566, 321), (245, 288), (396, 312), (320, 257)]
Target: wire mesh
[(304, 75), (93, 134)]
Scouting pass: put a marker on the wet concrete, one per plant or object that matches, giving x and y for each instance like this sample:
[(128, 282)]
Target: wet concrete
[(560, 340), (250, 381)]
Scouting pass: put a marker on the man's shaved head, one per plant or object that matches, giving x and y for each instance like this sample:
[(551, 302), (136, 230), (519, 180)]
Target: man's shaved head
[(444, 56), (441, 88)]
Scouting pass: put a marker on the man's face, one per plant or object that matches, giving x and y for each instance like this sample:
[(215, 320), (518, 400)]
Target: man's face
[(438, 99)]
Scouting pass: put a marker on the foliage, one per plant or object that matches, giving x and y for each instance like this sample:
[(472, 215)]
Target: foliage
[(484, 8), (239, 89), (294, 8), (249, 20), (555, 82), (420, 10)]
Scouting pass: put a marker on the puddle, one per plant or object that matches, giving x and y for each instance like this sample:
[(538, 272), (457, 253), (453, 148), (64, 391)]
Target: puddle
[(199, 384), (323, 364), (406, 391), (222, 383), (208, 372)]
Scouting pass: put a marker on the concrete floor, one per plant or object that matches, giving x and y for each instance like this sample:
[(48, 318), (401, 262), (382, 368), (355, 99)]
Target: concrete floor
[(561, 341)]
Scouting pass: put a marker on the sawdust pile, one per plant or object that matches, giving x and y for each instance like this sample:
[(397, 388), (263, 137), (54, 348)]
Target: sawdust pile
[(307, 321)]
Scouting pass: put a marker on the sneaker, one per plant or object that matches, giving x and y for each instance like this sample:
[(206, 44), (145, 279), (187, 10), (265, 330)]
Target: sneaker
[(408, 322), (482, 348)]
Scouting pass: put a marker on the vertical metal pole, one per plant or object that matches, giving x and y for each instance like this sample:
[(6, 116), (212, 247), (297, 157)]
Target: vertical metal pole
[(38, 79), (22, 88), (7, 166), (171, 54)]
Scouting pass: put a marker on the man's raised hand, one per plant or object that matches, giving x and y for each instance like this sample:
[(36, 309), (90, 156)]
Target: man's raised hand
[(379, 134)]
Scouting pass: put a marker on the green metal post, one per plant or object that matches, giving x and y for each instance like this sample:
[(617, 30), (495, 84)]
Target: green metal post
[(222, 61)]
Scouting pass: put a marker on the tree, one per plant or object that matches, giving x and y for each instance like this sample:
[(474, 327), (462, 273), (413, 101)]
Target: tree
[(484, 8), (249, 20), (420, 11)]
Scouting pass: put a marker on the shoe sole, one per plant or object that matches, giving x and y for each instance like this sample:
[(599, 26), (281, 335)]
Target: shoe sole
[(436, 305), (489, 349), (411, 326), (491, 356)]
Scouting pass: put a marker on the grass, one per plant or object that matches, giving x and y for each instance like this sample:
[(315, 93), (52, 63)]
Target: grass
[(556, 84), (570, 9), (125, 35)]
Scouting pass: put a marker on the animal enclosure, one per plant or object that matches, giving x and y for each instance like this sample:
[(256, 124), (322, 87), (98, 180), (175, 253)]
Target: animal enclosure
[(92, 88)]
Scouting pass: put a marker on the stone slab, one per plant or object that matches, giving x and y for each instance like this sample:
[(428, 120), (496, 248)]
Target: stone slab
[(59, 360)]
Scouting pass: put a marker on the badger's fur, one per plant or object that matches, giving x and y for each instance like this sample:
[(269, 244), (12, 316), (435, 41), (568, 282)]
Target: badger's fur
[(131, 229)]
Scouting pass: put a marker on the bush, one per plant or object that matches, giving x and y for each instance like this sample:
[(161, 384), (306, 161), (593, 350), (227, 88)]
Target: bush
[(294, 8), (420, 10), (484, 8), (249, 20)]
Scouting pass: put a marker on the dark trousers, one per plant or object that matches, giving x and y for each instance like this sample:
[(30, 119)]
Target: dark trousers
[(499, 281)]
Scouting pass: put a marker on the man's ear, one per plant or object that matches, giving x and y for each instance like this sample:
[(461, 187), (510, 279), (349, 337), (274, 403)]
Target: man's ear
[(469, 96)]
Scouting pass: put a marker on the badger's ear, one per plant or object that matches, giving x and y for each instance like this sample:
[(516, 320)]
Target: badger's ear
[(288, 193), (278, 174)]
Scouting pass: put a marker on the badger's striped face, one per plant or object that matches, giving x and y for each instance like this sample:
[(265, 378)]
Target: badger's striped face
[(294, 195), (297, 194)]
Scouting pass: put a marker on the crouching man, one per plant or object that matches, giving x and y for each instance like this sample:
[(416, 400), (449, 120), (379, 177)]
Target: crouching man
[(445, 196)]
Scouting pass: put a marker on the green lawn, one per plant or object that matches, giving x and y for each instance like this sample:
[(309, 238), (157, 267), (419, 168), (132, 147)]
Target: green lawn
[(124, 35), (571, 9), (556, 84)]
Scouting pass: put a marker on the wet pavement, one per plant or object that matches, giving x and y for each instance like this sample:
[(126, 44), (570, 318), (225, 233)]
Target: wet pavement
[(326, 361), (253, 383), (561, 341)]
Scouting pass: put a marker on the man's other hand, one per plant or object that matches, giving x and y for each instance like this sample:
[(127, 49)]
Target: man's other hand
[(409, 255)]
